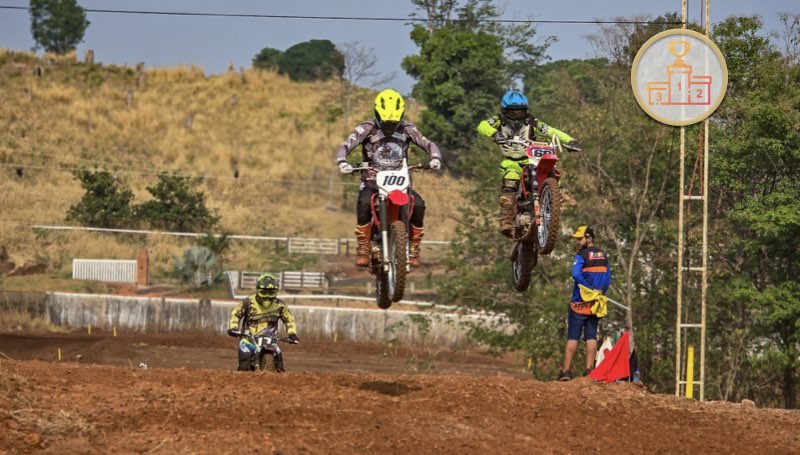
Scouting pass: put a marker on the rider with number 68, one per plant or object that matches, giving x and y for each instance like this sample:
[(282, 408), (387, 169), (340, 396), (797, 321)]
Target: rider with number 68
[(384, 143), (514, 122)]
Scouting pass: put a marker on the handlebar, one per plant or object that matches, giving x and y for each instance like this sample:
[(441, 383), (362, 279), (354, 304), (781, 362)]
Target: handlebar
[(366, 167), (554, 141), (240, 334)]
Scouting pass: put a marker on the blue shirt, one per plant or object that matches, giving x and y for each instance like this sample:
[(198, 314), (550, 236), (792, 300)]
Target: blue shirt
[(591, 269)]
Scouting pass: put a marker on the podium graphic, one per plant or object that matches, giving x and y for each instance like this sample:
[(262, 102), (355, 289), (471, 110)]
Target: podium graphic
[(679, 77), (681, 87)]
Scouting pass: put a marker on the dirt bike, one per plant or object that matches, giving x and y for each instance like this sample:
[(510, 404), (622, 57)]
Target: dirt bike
[(265, 346), (537, 208), (391, 213)]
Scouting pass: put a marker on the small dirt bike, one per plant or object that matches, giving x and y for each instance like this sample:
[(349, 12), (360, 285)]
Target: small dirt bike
[(391, 206), (537, 208), (265, 345)]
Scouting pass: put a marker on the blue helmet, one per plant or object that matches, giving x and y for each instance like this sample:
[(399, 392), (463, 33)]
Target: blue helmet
[(514, 99)]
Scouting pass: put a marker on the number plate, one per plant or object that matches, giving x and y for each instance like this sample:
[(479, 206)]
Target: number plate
[(389, 181)]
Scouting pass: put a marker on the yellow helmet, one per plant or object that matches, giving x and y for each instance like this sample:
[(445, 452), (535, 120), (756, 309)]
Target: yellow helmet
[(267, 287), (389, 110)]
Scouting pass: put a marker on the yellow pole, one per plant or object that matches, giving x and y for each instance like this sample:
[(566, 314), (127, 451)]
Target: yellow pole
[(115, 331), (690, 372), (90, 329), (59, 354)]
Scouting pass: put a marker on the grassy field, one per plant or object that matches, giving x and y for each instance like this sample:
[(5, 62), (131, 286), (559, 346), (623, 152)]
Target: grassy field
[(58, 115)]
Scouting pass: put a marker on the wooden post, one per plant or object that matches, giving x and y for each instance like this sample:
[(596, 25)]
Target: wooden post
[(142, 268), (89, 58)]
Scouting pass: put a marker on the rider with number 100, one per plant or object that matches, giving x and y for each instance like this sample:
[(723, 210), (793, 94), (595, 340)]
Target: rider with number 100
[(385, 141)]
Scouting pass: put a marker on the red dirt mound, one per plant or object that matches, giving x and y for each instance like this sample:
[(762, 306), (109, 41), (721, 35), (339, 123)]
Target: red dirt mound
[(341, 398)]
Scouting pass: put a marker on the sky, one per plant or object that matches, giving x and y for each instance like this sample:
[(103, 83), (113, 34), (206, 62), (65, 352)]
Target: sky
[(216, 43)]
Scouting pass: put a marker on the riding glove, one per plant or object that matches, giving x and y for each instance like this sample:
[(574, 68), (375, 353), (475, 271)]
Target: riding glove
[(293, 338), (435, 164), (345, 168), (574, 146), (233, 332)]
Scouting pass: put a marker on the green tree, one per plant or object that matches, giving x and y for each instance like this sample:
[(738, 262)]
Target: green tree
[(754, 168), (268, 59), (461, 74), (314, 60), (176, 206), (106, 203), (464, 65), (57, 25), (619, 184)]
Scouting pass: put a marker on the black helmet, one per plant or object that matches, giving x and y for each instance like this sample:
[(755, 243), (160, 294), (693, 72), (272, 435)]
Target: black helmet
[(267, 287)]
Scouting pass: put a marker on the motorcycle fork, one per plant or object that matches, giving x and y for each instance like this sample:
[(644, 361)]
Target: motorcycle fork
[(534, 194), (529, 189), (383, 214)]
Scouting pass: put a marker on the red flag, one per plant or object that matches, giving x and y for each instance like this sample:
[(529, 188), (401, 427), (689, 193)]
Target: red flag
[(615, 364)]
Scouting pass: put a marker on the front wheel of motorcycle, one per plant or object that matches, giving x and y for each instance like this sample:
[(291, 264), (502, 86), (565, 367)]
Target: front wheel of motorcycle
[(263, 358), (550, 215), (523, 260), (390, 282)]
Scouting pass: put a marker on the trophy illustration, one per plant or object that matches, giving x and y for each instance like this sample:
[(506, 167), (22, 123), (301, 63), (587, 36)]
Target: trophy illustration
[(679, 49)]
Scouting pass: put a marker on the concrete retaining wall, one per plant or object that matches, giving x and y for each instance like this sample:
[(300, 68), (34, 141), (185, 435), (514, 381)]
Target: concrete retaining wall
[(143, 314)]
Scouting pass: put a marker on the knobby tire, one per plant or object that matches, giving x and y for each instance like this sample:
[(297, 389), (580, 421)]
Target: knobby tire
[(551, 216)]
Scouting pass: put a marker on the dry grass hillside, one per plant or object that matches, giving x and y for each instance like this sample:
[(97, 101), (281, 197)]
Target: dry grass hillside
[(58, 115)]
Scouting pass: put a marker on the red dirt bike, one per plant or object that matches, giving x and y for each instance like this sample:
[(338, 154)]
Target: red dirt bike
[(391, 214), (537, 208)]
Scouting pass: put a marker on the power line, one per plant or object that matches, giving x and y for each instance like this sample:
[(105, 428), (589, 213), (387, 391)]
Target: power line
[(354, 18)]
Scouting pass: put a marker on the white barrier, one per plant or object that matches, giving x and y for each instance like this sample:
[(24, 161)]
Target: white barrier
[(109, 270)]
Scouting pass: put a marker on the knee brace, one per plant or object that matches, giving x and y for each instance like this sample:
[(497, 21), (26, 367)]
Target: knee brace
[(510, 186)]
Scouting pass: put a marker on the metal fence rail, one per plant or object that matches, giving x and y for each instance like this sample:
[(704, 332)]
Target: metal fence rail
[(313, 246), (300, 245), (109, 270), (287, 280)]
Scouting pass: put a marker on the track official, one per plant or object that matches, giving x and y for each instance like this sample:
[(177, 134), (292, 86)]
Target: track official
[(590, 269)]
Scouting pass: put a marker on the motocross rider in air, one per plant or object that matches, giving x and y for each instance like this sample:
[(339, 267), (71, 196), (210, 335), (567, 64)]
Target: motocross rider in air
[(257, 312), (512, 126), (384, 143)]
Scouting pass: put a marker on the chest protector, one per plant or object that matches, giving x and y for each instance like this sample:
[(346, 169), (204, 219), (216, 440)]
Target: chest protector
[(515, 151)]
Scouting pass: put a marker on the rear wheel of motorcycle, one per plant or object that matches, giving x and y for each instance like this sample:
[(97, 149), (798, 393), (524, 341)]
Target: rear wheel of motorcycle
[(523, 260), (398, 239), (550, 213)]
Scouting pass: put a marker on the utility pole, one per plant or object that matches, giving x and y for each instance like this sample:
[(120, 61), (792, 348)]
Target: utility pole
[(689, 264)]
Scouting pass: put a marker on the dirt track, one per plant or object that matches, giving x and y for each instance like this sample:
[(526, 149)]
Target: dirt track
[(340, 398)]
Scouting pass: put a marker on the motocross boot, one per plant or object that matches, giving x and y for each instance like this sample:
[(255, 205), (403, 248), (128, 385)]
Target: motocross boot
[(245, 362), (414, 237), (363, 232), (507, 214), (277, 362)]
